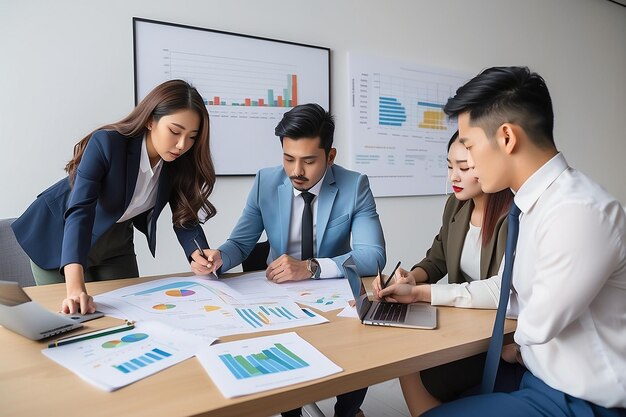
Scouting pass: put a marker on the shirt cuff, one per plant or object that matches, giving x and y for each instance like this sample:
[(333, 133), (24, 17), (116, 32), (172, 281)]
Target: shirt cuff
[(329, 268)]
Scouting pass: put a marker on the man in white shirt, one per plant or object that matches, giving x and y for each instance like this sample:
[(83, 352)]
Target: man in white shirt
[(569, 274)]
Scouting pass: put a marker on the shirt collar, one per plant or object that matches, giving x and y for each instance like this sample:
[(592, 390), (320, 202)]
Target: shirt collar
[(144, 163), (537, 183), (313, 190)]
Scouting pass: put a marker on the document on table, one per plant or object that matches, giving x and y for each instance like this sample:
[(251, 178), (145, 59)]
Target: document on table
[(323, 294), (205, 307), (113, 361), (260, 364)]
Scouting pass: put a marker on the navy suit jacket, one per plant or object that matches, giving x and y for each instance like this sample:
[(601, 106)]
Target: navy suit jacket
[(347, 221), (64, 222)]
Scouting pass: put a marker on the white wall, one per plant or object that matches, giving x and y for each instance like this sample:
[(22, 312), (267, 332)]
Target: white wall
[(66, 67)]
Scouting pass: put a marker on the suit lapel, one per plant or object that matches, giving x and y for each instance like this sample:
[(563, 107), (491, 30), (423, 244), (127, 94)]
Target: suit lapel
[(285, 196), (132, 168), (458, 231), (326, 199)]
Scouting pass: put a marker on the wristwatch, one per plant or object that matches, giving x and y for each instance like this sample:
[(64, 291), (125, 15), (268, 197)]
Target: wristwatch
[(314, 268)]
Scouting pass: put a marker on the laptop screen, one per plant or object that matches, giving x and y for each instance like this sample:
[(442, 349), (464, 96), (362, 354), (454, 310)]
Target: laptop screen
[(358, 289)]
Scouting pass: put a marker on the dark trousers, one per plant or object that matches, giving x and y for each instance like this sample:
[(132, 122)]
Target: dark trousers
[(111, 257), (346, 406), (462, 378), (533, 398)]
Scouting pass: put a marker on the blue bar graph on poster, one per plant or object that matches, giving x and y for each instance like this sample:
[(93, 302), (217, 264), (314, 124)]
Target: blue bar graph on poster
[(390, 112)]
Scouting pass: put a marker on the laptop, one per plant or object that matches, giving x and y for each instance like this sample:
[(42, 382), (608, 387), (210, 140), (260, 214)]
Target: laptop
[(28, 318), (381, 313)]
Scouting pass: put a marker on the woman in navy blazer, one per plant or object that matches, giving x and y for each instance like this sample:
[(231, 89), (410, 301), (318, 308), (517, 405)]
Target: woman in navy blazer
[(122, 175)]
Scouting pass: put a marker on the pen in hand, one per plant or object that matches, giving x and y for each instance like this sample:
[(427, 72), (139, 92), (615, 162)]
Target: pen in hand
[(384, 284), (201, 251)]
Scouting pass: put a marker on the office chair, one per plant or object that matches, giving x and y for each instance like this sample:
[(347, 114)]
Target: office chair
[(14, 264), (257, 261)]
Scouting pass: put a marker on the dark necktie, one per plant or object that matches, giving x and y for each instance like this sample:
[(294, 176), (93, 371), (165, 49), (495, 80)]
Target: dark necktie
[(495, 345), (307, 225)]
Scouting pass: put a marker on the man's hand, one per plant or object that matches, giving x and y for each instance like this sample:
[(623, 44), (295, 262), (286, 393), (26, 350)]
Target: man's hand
[(211, 261), (285, 268)]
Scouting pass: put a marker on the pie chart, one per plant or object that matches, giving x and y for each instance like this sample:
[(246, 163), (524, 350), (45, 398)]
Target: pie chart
[(164, 306), (179, 293)]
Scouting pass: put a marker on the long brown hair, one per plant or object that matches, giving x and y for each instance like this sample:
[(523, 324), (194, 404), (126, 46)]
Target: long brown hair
[(496, 205), (193, 174)]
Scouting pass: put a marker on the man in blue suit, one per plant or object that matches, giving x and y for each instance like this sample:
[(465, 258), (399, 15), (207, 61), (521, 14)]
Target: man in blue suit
[(343, 215)]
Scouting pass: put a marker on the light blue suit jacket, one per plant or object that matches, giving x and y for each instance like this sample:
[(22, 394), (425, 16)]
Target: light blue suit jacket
[(347, 221)]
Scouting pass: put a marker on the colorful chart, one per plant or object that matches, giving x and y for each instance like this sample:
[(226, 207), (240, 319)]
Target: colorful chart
[(270, 361), (164, 306), (142, 361), (129, 338), (264, 315), (179, 293), (211, 308)]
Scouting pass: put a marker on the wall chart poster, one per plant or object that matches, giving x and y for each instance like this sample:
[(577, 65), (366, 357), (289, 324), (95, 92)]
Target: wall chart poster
[(399, 131)]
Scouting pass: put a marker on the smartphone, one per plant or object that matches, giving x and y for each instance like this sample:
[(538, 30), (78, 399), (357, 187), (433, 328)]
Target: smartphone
[(81, 318)]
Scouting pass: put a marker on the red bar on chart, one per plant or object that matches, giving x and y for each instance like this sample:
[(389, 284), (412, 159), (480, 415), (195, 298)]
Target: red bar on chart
[(247, 102), (294, 90), (216, 100)]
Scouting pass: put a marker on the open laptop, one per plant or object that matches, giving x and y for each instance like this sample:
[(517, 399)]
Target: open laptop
[(28, 318), (380, 313)]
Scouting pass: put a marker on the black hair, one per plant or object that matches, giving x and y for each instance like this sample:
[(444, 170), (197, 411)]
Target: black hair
[(307, 121), (452, 139), (507, 95)]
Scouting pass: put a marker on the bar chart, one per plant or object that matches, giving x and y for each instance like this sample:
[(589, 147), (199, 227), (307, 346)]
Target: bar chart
[(266, 314), (269, 361), (142, 361)]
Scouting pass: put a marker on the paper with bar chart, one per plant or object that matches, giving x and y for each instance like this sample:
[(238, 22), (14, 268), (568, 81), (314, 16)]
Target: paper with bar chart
[(260, 364), (205, 307), (114, 361), (399, 131), (247, 84)]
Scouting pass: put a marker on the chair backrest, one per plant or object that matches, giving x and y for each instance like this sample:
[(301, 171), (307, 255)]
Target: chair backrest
[(14, 263), (257, 260)]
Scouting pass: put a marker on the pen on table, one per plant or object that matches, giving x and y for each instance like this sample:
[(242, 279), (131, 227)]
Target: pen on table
[(92, 335), (391, 275), (201, 250)]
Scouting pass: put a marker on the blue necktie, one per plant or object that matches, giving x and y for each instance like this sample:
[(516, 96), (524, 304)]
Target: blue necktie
[(495, 345)]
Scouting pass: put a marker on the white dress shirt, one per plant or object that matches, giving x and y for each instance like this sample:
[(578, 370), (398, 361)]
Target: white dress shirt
[(328, 268), (569, 284), (145, 194), (475, 294)]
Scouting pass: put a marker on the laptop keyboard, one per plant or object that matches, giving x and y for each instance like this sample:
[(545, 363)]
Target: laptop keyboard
[(395, 312)]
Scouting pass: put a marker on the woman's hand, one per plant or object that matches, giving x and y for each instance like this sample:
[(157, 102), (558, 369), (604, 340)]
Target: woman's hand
[(77, 300), (210, 262), (400, 277)]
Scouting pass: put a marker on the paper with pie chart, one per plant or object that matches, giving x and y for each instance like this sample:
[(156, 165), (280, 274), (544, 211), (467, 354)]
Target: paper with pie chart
[(116, 360), (204, 307)]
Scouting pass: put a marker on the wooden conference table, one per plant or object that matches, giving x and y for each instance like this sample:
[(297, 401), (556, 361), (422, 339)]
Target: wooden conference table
[(33, 385)]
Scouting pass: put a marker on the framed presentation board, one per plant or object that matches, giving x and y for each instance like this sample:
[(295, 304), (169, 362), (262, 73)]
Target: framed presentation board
[(247, 84)]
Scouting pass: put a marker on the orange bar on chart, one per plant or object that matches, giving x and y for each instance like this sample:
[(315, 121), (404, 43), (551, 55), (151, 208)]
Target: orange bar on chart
[(294, 90), (280, 101)]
